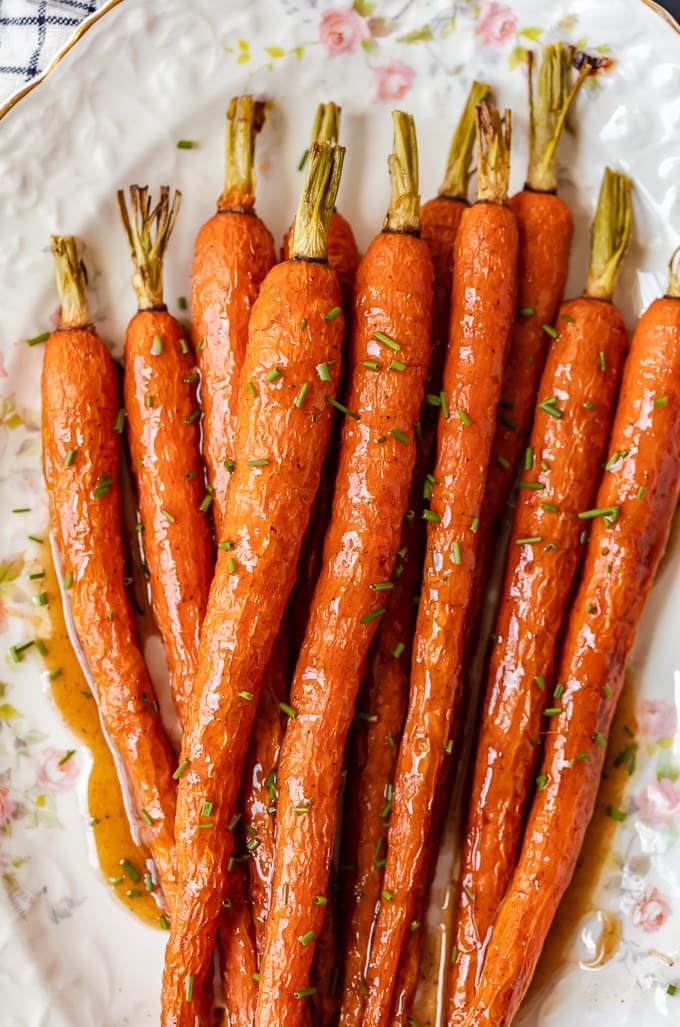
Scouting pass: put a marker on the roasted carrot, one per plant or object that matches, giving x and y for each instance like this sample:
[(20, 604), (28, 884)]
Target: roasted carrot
[(163, 432), (238, 950), (546, 227), (482, 311), (630, 524), (233, 252), (390, 350), (82, 423), (384, 695), (325, 974), (283, 427), (561, 471)]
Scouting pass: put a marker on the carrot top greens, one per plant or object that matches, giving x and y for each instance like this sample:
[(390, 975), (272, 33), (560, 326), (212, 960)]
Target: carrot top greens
[(245, 118), (548, 112), (326, 126), (403, 213), (611, 232), (458, 171), (71, 283), (310, 233), (148, 233), (494, 136)]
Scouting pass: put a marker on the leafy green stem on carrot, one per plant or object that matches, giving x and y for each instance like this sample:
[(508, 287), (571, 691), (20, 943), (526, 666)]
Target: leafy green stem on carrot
[(611, 232), (458, 170), (493, 153), (403, 213), (71, 283), (148, 233), (548, 112), (310, 234), (245, 118)]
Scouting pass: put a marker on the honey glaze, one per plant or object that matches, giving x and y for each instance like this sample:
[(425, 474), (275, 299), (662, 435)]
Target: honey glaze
[(124, 863)]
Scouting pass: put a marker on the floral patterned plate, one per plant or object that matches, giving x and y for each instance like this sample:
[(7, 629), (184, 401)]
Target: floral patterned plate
[(112, 112)]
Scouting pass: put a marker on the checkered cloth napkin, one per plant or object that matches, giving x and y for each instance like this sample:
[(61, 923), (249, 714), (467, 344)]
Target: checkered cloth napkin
[(31, 33)]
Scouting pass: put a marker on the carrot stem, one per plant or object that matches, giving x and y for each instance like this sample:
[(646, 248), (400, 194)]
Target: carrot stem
[(310, 234), (71, 283), (458, 171), (674, 274), (403, 213), (548, 113), (245, 118), (148, 234), (326, 126), (494, 136), (611, 232)]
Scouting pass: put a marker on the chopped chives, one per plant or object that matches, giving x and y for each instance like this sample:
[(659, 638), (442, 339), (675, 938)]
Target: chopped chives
[(387, 895), (302, 392), (343, 409), (303, 160), (567, 317), (305, 939), (163, 923), (68, 580), (544, 465), (146, 817), (396, 365), (226, 545), (641, 492), (34, 538), (541, 781), (474, 524), (550, 507), (548, 407), (529, 540), (602, 361), (304, 992), (180, 770), (432, 400), (168, 516), (157, 345), (36, 576), (251, 388), (432, 515), (610, 513), (37, 339), (131, 870), (540, 681), (331, 314), (536, 485), (233, 822), (390, 739), (553, 711), (134, 893), (259, 462), (205, 503), (503, 461), (148, 881), (528, 458), (56, 673), (672, 989), (599, 739), (40, 646), (469, 892), (616, 814), (41, 599), (463, 416), (400, 436), (207, 808), (227, 904), (288, 710), (320, 900), (606, 691), (559, 691), (21, 509), (381, 337), (273, 374), (148, 401), (244, 694), (507, 421), (119, 423), (193, 416), (526, 311), (448, 748), (398, 650), (549, 330), (231, 565), (661, 401), (189, 983), (372, 365), (230, 465), (185, 144), (303, 324), (368, 617), (182, 302), (382, 586), (191, 379), (614, 458), (66, 757), (456, 552), (413, 926), (323, 371)]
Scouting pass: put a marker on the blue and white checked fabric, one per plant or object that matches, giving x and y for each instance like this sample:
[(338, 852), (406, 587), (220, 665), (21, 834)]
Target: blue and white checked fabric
[(31, 33)]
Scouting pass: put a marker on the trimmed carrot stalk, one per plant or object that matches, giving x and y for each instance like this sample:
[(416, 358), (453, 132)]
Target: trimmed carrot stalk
[(562, 467), (164, 436), (482, 311), (384, 695), (82, 423), (630, 523), (238, 951), (258, 792), (283, 428), (546, 227), (233, 252), (390, 350)]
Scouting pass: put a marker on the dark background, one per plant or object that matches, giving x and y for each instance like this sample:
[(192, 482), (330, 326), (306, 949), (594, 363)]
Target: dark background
[(671, 5)]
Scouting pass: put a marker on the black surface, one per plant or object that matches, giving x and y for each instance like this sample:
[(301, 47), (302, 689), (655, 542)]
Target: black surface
[(673, 6)]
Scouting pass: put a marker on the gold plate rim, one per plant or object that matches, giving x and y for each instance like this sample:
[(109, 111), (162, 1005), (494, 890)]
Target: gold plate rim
[(102, 12)]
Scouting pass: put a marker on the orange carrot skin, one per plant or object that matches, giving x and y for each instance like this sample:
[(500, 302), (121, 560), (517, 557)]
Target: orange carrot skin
[(440, 219), (325, 969), (258, 800), (232, 255), (371, 496), (546, 227), (266, 515), (237, 948), (343, 255), (482, 312), (163, 432), (620, 564), (566, 456), (80, 406)]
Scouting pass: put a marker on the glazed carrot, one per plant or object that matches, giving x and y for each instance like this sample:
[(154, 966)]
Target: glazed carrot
[(238, 950), (482, 310), (163, 431), (546, 227), (283, 426), (325, 974), (82, 423), (384, 695), (258, 794), (233, 252), (390, 350), (561, 470), (630, 523)]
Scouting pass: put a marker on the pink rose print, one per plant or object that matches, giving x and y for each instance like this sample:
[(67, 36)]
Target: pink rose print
[(657, 719), (496, 24), (651, 911), (659, 802), (56, 773), (341, 30), (7, 807), (393, 80)]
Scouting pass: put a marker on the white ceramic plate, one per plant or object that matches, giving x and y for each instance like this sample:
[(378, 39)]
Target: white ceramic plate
[(111, 113)]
